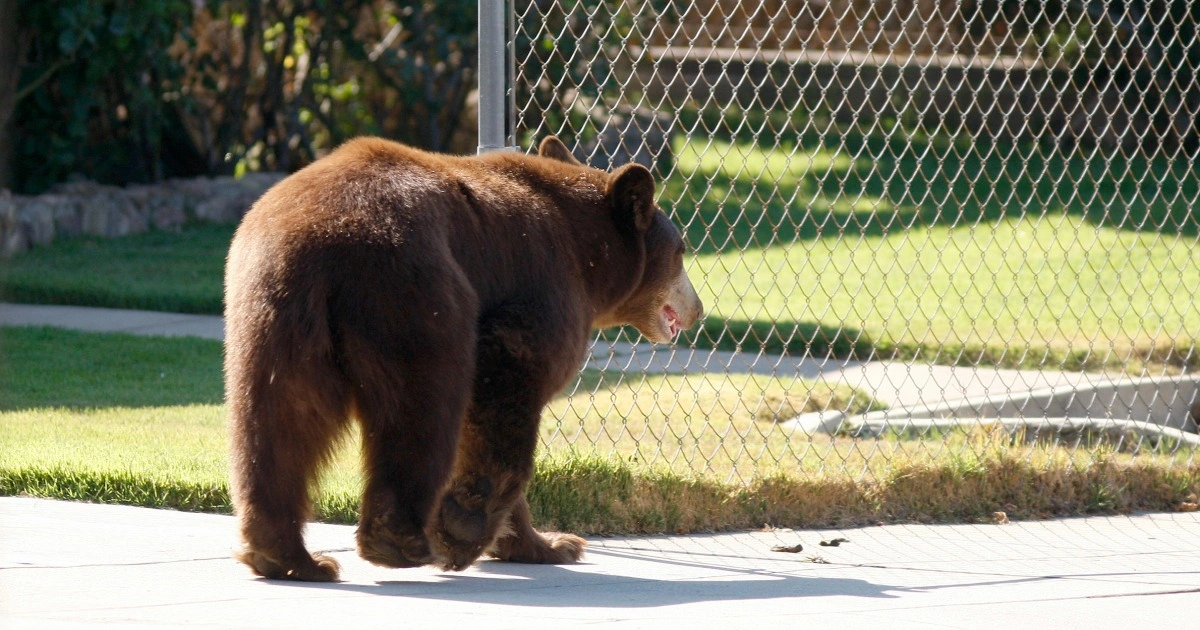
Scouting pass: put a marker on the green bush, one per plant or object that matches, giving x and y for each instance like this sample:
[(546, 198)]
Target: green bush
[(124, 91), (98, 69)]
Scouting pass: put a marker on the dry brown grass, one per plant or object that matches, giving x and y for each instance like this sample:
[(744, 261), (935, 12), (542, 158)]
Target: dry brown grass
[(652, 454), (722, 425), (608, 496)]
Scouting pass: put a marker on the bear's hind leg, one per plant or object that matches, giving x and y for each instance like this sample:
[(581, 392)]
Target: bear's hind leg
[(273, 468), (405, 472)]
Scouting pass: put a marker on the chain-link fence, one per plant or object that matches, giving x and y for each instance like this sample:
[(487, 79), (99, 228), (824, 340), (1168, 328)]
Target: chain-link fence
[(906, 216)]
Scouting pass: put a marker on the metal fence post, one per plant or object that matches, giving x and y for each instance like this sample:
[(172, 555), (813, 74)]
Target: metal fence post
[(496, 111)]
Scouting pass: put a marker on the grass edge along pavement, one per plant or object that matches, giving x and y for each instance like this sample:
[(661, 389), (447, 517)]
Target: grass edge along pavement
[(969, 477), (593, 495)]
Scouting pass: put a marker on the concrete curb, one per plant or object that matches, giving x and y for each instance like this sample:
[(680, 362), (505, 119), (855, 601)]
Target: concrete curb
[(1151, 407), (1165, 401)]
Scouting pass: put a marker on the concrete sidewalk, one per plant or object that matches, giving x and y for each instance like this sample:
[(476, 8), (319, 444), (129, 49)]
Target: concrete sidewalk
[(113, 320), (73, 564)]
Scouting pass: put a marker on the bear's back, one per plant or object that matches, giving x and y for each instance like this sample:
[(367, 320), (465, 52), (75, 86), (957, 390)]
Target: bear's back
[(374, 187), (508, 220)]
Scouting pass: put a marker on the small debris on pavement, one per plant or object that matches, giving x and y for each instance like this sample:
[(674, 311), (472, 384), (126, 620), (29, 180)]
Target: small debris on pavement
[(834, 543), (797, 548)]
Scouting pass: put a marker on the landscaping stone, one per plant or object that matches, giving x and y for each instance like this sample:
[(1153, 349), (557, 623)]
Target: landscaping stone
[(84, 207), (639, 136), (35, 217), (11, 239), (163, 206)]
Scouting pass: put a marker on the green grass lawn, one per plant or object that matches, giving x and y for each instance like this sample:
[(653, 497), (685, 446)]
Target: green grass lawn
[(947, 252), (180, 272), (140, 420)]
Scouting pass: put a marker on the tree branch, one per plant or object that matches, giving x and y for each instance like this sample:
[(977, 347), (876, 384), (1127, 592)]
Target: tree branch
[(37, 83)]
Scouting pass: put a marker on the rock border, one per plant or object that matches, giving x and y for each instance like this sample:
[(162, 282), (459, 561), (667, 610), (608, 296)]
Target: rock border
[(92, 209)]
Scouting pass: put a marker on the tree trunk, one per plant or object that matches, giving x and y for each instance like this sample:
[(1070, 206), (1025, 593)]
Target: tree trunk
[(10, 73)]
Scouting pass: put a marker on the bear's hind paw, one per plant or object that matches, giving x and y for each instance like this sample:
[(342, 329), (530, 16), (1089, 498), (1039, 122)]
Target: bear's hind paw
[(563, 548), (546, 548)]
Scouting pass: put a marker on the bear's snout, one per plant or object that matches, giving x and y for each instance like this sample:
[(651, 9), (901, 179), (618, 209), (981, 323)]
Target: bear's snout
[(680, 310)]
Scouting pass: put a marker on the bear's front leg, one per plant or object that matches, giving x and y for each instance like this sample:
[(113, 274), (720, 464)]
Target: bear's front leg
[(478, 502), (519, 367)]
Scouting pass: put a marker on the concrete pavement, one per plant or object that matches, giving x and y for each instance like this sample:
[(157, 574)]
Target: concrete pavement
[(69, 565)]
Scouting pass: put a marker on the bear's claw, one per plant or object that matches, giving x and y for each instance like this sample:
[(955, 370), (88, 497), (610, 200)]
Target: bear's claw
[(379, 545), (543, 548)]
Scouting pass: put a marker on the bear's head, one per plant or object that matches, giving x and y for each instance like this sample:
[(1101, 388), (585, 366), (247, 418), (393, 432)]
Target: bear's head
[(664, 301)]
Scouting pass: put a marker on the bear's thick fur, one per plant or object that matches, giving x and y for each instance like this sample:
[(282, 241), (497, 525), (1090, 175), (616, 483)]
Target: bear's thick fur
[(441, 302)]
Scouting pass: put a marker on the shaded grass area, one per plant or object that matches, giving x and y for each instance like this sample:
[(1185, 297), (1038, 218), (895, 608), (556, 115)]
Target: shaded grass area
[(144, 451), (179, 272)]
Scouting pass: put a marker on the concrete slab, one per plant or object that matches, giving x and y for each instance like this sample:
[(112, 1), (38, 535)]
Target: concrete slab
[(911, 384), (663, 359), (70, 564), (1165, 402)]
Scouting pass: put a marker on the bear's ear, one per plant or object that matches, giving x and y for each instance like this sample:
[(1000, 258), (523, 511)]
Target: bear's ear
[(554, 149), (631, 190)]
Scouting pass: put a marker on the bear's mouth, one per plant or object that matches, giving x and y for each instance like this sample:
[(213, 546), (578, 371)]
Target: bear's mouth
[(670, 320)]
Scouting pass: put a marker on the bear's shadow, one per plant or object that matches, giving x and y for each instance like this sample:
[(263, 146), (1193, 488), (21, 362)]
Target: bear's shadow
[(555, 586)]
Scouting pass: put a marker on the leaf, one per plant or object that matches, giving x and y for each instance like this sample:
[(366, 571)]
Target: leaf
[(68, 41), (119, 23)]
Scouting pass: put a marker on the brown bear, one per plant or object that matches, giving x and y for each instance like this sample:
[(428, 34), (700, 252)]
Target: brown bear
[(441, 302)]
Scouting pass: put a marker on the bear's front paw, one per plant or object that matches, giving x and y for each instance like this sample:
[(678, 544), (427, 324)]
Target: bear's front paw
[(382, 545), (460, 534)]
